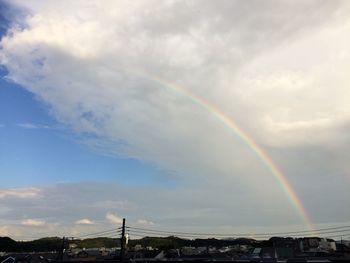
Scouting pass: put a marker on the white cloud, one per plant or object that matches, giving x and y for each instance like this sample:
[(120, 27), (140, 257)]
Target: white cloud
[(300, 88), (113, 218), (19, 193), (32, 222), (144, 222), (84, 221), (4, 231)]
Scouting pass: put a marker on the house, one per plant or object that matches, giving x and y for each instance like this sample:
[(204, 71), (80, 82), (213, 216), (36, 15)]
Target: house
[(88, 255), (316, 244)]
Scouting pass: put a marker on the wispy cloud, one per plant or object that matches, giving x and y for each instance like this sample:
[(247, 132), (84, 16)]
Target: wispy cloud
[(4, 231), (33, 222), (114, 218), (144, 222), (33, 126), (84, 221), (19, 193)]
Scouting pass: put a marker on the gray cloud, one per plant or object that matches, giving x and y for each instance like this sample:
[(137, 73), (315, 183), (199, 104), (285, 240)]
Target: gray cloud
[(60, 209)]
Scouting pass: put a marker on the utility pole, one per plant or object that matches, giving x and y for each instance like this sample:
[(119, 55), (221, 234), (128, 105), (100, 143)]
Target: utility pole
[(61, 251), (341, 243), (122, 243)]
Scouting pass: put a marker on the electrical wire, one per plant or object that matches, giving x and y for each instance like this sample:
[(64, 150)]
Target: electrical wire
[(156, 234), (324, 230), (141, 232), (143, 235), (347, 233), (101, 232), (252, 234)]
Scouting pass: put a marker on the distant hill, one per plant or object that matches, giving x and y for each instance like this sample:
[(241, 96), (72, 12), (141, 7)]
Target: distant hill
[(176, 242), (48, 244), (7, 244), (97, 242), (44, 244)]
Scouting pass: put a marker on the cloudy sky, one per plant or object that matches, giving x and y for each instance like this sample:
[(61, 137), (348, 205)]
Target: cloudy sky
[(115, 109)]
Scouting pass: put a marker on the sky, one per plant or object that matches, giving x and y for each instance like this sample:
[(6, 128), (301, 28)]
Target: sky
[(197, 116)]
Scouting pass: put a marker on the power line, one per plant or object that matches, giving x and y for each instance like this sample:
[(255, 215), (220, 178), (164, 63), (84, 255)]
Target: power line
[(337, 231), (101, 232), (340, 235), (319, 231), (132, 235), (110, 234), (193, 236), (162, 234), (145, 234), (104, 235)]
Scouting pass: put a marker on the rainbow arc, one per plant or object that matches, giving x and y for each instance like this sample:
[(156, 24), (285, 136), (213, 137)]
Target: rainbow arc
[(278, 175)]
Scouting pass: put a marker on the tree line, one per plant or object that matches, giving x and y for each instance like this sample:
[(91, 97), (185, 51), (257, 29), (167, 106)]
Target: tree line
[(49, 244)]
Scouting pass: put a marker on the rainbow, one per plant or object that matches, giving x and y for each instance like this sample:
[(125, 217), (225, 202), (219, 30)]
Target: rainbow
[(231, 124)]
